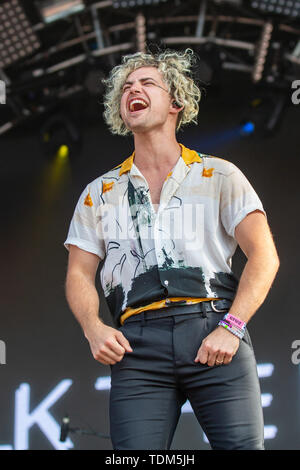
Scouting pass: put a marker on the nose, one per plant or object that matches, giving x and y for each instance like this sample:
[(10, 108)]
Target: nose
[(136, 87)]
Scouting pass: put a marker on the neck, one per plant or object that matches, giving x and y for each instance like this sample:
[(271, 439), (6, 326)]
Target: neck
[(155, 152)]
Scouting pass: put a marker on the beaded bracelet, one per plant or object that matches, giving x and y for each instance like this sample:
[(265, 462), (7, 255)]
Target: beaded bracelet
[(233, 330)]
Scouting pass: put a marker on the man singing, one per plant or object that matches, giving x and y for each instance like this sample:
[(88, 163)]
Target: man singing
[(167, 222)]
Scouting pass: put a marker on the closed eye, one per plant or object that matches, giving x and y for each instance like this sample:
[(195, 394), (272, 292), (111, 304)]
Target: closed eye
[(146, 82)]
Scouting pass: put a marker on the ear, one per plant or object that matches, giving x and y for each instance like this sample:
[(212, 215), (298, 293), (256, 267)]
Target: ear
[(175, 106)]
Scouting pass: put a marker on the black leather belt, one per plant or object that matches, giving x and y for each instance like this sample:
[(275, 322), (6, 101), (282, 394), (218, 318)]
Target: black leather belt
[(179, 308)]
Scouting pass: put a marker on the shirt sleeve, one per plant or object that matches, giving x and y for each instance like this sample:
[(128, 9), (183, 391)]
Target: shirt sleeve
[(238, 198), (83, 226)]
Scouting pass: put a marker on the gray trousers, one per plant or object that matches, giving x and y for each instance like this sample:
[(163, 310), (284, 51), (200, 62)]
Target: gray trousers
[(149, 386)]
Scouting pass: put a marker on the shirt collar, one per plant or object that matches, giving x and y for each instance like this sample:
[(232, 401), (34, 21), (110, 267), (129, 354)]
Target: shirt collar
[(188, 156)]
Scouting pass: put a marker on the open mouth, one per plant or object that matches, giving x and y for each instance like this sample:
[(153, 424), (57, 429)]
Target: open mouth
[(137, 104)]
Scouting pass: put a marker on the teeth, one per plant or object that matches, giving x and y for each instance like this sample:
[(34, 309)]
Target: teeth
[(133, 102)]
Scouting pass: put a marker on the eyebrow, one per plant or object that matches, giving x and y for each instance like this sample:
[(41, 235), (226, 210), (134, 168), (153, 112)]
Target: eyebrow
[(129, 82)]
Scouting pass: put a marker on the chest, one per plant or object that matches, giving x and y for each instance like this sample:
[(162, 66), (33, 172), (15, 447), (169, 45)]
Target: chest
[(155, 184)]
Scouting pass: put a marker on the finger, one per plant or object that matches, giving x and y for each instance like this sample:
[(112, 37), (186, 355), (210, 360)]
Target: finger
[(114, 346), (219, 360), (108, 354), (227, 359), (102, 359), (211, 354), (220, 356), (202, 355), (123, 341), (211, 361)]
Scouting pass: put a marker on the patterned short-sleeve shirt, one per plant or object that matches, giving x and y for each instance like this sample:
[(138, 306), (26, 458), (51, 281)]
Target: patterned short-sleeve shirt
[(180, 253)]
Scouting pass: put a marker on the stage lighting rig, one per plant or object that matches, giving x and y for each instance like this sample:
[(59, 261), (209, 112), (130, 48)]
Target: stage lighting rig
[(141, 32), (262, 51), (53, 10), (289, 8), (17, 38), (2, 92), (135, 3)]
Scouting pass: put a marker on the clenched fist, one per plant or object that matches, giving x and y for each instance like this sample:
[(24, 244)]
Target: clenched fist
[(107, 344), (218, 347)]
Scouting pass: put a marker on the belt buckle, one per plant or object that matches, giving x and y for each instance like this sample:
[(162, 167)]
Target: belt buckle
[(215, 309)]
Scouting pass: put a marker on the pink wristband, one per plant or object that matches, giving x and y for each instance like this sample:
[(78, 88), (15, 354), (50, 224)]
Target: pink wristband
[(235, 321)]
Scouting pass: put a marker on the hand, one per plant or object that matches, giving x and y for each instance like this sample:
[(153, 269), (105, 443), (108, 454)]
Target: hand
[(107, 344), (218, 347)]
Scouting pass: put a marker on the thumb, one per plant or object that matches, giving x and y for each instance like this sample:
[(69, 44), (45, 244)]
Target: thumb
[(124, 342)]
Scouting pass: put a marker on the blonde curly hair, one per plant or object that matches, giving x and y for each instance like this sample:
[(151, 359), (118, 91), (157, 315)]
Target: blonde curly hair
[(176, 71)]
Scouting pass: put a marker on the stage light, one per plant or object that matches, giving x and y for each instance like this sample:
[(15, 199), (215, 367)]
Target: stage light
[(60, 137), (53, 10), (290, 8), (135, 3), (56, 173), (262, 52), (141, 32), (264, 114), (248, 128), (17, 38), (2, 92), (63, 151)]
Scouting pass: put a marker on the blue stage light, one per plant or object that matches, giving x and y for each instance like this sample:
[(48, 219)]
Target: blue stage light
[(248, 128)]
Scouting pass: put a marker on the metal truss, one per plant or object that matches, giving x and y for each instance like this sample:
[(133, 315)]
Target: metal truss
[(100, 34)]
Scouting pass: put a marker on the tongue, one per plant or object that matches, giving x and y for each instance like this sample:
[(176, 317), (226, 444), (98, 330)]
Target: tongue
[(138, 107)]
